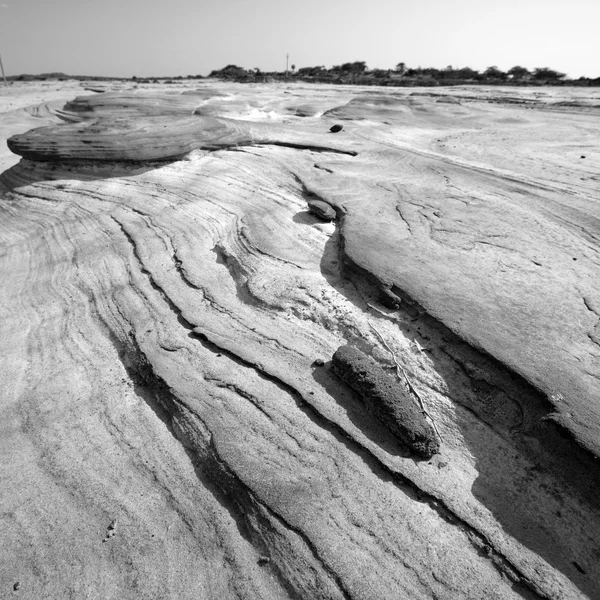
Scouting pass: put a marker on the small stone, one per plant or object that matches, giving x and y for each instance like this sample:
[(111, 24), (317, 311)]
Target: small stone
[(17, 586), (110, 531), (319, 362), (579, 568), (336, 128), (389, 299), (264, 560), (322, 210)]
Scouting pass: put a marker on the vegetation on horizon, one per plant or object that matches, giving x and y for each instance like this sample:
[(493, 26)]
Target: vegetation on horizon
[(358, 73)]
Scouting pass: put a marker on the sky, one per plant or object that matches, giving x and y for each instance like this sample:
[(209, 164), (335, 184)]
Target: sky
[(123, 38)]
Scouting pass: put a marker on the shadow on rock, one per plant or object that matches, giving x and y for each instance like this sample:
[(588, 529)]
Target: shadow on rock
[(28, 172), (531, 475), (304, 217)]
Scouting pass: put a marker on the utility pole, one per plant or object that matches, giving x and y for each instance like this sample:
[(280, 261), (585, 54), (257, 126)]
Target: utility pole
[(287, 60), (2, 69)]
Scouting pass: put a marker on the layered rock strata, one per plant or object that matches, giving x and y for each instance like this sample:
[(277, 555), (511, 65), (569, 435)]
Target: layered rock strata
[(172, 427)]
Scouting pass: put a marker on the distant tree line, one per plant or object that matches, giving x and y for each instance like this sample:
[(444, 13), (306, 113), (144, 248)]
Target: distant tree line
[(358, 73)]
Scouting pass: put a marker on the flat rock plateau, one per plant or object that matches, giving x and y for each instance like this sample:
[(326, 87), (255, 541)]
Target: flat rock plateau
[(181, 263)]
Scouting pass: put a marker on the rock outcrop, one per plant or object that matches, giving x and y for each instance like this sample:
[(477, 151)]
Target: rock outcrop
[(172, 427)]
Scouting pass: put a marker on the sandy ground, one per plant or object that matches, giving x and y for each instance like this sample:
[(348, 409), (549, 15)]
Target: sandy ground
[(172, 426)]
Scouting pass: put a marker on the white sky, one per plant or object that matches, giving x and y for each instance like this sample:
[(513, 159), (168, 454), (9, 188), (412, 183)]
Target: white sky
[(181, 37)]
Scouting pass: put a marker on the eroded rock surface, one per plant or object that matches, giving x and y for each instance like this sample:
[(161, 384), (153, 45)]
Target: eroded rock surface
[(171, 424)]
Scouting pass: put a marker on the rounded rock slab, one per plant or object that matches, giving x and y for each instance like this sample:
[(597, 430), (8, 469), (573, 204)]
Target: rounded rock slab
[(131, 140)]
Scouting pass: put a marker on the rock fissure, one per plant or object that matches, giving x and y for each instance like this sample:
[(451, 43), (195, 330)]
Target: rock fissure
[(500, 561), (404, 219), (589, 306), (222, 476), (201, 455), (182, 273), (174, 308), (329, 571), (244, 236), (312, 148)]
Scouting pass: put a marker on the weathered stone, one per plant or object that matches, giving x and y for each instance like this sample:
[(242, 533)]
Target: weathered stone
[(305, 110), (322, 210), (389, 299), (387, 399)]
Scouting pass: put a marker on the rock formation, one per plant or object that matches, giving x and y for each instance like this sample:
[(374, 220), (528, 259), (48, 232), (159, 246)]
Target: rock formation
[(172, 426)]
